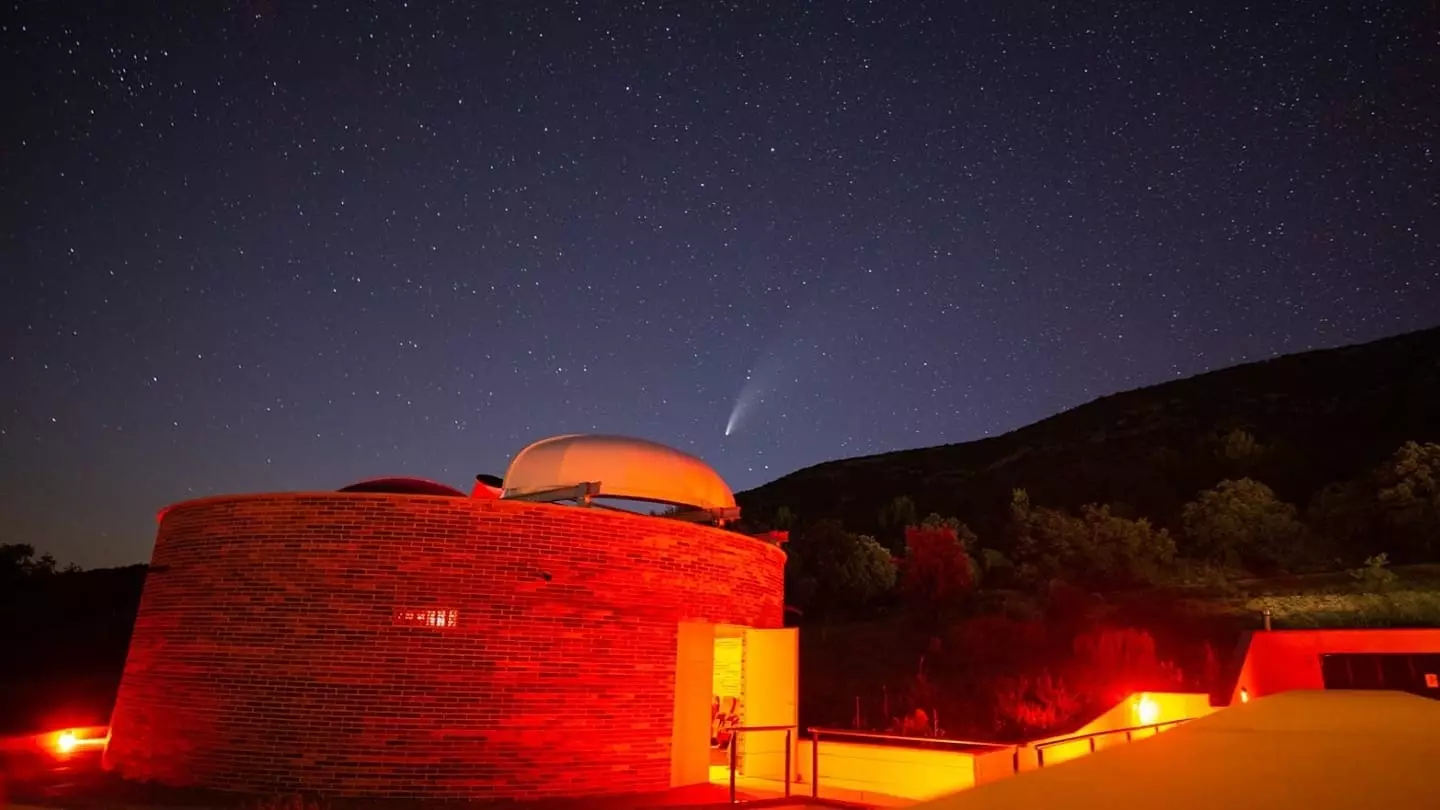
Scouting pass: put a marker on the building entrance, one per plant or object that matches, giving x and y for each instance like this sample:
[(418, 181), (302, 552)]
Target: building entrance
[(728, 679)]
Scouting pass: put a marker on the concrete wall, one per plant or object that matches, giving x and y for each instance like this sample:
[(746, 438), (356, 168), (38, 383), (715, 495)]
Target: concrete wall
[(1141, 709), (898, 772), (879, 771), (413, 646)]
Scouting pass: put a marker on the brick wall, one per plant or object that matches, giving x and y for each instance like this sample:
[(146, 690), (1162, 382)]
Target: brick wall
[(307, 642)]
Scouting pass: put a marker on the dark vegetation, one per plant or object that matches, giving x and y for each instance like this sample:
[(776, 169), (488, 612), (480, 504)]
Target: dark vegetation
[(1124, 545), (1120, 546), (64, 635)]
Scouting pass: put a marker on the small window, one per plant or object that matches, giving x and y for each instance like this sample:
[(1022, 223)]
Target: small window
[(427, 618)]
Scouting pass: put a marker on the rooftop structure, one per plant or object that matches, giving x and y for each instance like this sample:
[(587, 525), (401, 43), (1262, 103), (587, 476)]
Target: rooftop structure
[(584, 467), (404, 486)]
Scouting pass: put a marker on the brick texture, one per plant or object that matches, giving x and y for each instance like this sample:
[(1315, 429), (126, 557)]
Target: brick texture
[(277, 646)]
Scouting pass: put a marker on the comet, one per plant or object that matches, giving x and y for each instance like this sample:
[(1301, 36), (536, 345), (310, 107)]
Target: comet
[(749, 396)]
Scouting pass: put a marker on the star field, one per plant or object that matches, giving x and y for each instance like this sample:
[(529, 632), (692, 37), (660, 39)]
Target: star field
[(269, 246)]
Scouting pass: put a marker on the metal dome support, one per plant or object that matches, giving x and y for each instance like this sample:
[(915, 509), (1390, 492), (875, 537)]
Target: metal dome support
[(580, 494), (719, 516)]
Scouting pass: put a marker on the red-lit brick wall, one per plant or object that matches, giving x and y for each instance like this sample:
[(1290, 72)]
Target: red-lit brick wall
[(267, 655)]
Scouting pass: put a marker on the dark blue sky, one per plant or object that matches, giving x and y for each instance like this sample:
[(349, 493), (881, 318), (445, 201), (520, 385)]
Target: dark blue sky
[(263, 246)]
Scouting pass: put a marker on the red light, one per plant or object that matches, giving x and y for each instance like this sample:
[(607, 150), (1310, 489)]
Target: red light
[(74, 740)]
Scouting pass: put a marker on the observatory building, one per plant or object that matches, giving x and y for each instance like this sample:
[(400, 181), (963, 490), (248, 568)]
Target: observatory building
[(399, 638)]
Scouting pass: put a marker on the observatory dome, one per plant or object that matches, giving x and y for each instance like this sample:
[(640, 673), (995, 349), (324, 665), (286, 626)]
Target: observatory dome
[(617, 467), (403, 486)]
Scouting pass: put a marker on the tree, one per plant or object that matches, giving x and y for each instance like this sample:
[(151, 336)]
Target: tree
[(1408, 495), (784, 519), (1346, 515), (1239, 446), (1395, 506), (934, 521), (894, 518), (830, 569), (938, 576), (1040, 538), (18, 561), (1098, 548), (1242, 523)]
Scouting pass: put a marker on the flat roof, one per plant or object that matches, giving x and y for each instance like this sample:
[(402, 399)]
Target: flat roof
[(1305, 749)]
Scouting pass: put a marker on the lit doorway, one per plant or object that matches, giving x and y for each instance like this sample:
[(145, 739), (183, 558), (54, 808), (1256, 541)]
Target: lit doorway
[(729, 677), (727, 691)]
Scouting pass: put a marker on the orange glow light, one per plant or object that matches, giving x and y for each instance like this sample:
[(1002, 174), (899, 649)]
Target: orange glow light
[(1244, 695), (1147, 711), (65, 743)]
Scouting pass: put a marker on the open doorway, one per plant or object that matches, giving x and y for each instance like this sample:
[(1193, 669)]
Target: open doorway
[(727, 678), (727, 692)]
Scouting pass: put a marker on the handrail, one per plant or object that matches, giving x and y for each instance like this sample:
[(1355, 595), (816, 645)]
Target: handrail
[(870, 735), (1129, 733), (789, 751)]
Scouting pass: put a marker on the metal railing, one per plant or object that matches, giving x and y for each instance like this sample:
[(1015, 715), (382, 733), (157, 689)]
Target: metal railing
[(1094, 735), (789, 751), (816, 734)]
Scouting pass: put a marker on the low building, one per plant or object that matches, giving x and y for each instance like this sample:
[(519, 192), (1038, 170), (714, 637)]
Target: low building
[(402, 640)]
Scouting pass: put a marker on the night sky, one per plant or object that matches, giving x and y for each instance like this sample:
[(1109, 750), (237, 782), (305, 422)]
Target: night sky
[(265, 245)]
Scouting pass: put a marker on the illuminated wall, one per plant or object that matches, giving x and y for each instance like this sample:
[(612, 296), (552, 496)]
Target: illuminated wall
[(878, 773), (1281, 660), (728, 654), (416, 646), (1140, 709)]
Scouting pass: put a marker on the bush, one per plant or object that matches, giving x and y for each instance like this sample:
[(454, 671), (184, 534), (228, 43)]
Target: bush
[(1115, 662), (1375, 575), (1029, 706), (1396, 608)]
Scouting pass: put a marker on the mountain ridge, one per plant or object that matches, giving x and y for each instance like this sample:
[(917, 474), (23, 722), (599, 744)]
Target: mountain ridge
[(1321, 416)]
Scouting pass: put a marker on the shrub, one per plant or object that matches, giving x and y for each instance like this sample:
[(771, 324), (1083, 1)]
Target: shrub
[(1028, 706), (1375, 575), (1115, 662), (1395, 608)]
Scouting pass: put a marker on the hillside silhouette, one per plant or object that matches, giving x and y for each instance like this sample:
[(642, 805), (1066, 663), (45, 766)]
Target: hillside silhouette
[(1316, 418)]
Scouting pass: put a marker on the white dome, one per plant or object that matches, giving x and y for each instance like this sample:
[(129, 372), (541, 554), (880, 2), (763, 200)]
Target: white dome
[(622, 467)]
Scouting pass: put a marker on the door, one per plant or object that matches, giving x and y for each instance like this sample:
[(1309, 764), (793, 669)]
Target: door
[(771, 685), (690, 735)]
